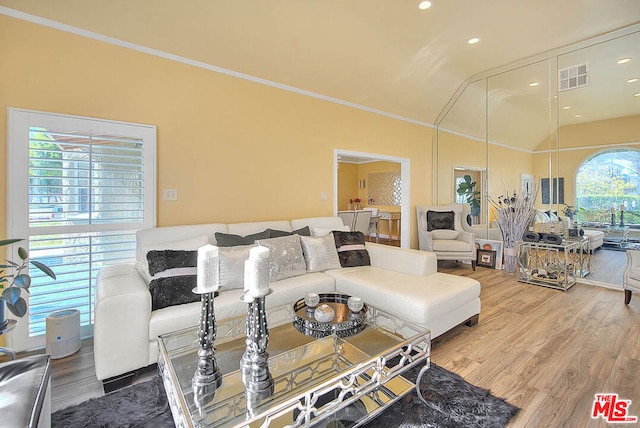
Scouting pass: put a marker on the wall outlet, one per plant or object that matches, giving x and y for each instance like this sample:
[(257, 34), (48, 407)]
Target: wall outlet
[(324, 196), (170, 194)]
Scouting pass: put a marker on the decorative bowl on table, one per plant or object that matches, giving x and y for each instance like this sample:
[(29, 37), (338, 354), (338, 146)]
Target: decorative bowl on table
[(324, 313), (343, 322)]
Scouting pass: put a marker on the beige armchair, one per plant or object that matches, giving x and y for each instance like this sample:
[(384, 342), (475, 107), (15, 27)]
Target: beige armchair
[(480, 231), (440, 231), (631, 277)]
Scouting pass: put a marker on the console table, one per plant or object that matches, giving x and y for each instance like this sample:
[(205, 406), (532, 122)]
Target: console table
[(391, 217), (551, 265)]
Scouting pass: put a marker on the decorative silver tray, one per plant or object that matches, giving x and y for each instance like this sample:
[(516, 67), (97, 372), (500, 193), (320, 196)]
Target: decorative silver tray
[(344, 324)]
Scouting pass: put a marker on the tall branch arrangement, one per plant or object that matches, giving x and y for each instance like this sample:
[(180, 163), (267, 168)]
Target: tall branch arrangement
[(514, 214)]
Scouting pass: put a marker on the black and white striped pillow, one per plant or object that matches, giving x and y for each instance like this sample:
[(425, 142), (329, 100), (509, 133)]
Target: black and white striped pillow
[(173, 277), (351, 249)]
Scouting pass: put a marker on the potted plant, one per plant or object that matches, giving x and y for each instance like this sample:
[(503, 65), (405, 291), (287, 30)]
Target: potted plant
[(12, 284), (467, 188)]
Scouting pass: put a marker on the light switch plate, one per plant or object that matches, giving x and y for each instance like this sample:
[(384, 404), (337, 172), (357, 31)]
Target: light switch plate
[(170, 194)]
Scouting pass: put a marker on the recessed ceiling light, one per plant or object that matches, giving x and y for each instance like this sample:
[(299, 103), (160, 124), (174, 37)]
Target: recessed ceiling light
[(473, 40), (532, 84), (637, 95), (578, 116), (424, 5), (634, 80), (624, 60), (566, 107)]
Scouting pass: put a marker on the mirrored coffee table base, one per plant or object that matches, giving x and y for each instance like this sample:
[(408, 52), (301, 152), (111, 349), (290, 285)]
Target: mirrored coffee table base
[(350, 379)]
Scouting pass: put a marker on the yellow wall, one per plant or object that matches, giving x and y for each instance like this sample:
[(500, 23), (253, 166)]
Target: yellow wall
[(372, 168), (347, 184), (235, 150), (585, 140), (505, 165), (456, 151)]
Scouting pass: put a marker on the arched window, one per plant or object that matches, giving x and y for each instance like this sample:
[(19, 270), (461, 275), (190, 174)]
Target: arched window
[(607, 182)]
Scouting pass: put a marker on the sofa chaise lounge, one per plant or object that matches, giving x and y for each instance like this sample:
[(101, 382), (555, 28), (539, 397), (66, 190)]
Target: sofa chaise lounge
[(400, 281)]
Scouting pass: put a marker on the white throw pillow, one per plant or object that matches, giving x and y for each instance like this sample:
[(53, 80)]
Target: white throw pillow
[(231, 261), (320, 252), (322, 231), (444, 234), (285, 259), (188, 244)]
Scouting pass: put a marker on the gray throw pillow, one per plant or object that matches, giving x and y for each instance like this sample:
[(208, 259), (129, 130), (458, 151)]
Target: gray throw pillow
[(437, 220), (320, 253), (286, 259), (230, 240), (303, 231)]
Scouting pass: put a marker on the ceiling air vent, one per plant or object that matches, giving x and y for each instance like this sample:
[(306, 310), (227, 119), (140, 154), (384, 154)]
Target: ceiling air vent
[(573, 77)]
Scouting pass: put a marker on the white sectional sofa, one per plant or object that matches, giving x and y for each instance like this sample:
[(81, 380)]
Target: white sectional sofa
[(401, 281), (595, 236)]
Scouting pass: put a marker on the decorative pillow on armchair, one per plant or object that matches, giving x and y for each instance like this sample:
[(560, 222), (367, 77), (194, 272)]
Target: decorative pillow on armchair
[(437, 220), (173, 277), (351, 249), (444, 234)]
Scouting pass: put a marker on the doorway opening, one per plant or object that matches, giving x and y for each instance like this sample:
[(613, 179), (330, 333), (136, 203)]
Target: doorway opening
[(364, 179)]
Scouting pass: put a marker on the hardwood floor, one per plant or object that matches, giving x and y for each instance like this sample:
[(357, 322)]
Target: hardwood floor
[(607, 266), (546, 351)]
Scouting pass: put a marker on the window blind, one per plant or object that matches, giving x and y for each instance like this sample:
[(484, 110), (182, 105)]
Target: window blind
[(80, 183)]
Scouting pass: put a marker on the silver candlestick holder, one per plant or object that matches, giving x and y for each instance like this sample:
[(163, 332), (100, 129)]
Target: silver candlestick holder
[(207, 378), (254, 363)]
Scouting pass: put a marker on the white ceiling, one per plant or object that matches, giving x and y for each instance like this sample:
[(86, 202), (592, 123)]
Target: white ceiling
[(385, 55)]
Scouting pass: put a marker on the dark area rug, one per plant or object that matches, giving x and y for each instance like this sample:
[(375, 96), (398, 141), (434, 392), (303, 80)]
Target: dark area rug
[(453, 402)]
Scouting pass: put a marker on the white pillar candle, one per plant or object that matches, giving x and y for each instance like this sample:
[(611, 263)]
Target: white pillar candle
[(613, 210), (208, 269), (256, 272), (621, 207)]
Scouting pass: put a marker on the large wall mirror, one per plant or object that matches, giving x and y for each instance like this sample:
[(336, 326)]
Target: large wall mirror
[(558, 120)]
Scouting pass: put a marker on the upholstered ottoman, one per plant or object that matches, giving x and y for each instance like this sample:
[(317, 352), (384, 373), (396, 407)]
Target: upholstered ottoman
[(25, 392), (596, 238)]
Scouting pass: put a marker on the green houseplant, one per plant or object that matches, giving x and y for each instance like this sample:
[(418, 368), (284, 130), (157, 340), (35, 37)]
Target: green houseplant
[(467, 188), (12, 284)]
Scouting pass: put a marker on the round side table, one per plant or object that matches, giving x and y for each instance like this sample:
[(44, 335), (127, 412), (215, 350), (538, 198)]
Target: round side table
[(4, 330)]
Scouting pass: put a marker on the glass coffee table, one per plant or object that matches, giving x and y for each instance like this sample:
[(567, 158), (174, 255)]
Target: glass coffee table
[(348, 379)]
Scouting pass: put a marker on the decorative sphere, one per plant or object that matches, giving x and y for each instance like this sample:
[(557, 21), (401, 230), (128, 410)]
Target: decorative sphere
[(324, 313), (355, 303), (312, 299)]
